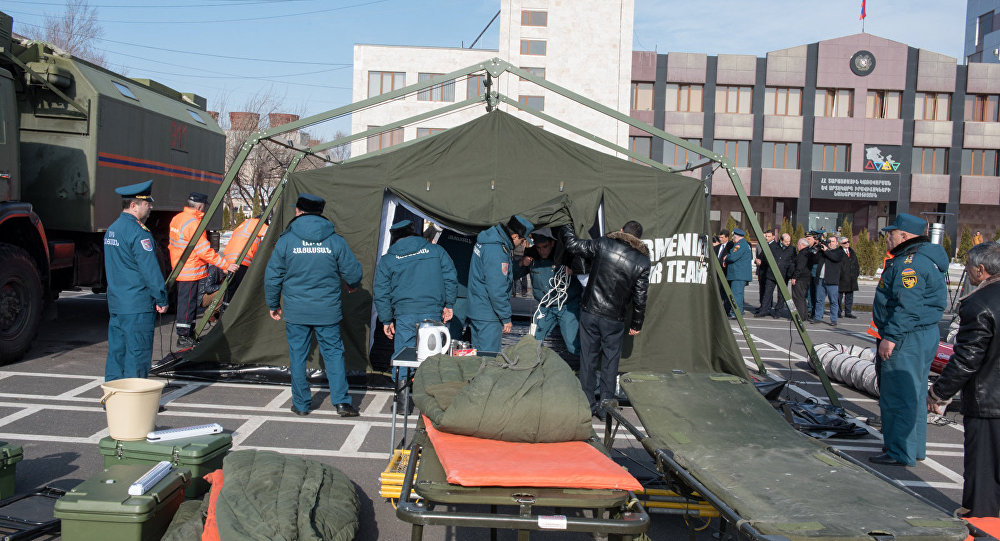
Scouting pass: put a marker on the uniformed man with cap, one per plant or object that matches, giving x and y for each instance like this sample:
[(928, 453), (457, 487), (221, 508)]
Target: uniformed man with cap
[(542, 263), (135, 286), (910, 298), (182, 228), (738, 271), (415, 280), (305, 270), (491, 281)]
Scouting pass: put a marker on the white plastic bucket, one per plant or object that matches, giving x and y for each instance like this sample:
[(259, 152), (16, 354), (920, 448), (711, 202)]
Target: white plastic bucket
[(131, 405)]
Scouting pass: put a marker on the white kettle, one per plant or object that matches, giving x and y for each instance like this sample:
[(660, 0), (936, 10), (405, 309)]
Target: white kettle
[(432, 338)]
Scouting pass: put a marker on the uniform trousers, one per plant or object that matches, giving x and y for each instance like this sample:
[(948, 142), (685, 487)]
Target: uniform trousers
[(981, 491), (568, 320), (459, 318), (600, 347), (737, 286), (902, 394), (486, 335), (188, 302), (130, 345), (331, 347)]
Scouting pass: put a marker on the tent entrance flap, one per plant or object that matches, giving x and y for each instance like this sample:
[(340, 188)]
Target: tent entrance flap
[(476, 175)]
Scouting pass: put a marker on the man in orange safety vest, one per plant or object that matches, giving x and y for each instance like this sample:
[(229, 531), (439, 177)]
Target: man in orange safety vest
[(241, 235)]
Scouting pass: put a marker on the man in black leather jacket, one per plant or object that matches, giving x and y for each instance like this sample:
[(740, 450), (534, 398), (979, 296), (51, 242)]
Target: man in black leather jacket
[(619, 273), (975, 369)]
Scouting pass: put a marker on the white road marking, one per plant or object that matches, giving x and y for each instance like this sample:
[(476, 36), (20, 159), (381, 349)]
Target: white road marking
[(246, 429), (81, 389), (377, 404), (177, 393), (20, 415), (317, 452), (284, 396), (356, 438)]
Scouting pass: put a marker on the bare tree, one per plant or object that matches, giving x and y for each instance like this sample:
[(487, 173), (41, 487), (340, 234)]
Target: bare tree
[(341, 152), (76, 31)]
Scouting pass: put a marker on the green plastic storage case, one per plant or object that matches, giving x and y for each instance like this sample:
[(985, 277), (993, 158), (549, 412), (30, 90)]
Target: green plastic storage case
[(10, 455), (200, 454), (101, 508)]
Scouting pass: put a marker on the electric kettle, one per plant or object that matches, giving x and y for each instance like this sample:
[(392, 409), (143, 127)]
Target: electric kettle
[(432, 338)]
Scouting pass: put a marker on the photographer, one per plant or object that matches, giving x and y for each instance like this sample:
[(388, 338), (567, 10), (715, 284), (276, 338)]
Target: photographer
[(828, 262)]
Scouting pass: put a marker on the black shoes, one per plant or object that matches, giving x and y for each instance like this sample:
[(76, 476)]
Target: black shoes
[(297, 412), (185, 342), (832, 323), (346, 410), (851, 316), (885, 460)]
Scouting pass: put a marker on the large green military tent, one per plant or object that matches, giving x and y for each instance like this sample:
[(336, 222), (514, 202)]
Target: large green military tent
[(469, 178)]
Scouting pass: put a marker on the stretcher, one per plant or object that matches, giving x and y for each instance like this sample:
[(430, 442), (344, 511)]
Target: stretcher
[(614, 512), (714, 436)]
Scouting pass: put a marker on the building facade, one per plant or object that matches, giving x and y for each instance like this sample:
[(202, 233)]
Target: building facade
[(857, 127), (540, 36), (982, 31)]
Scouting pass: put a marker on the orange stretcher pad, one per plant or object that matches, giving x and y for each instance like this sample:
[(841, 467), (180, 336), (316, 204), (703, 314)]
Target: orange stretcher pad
[(478, 462)]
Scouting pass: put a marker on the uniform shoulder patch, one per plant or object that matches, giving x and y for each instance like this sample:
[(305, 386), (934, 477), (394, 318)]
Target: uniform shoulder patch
[(504, 268), (147, 244), (909, 278)]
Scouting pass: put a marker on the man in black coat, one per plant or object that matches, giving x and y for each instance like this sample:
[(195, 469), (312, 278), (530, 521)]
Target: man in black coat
[(721, 245), (827, 274), (801, 277), (975, 369), (850, 269), (619, 275), (784, 256), (761, 262)]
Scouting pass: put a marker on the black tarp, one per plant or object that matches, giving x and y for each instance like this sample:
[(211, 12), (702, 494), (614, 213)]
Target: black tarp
[(471, 177)]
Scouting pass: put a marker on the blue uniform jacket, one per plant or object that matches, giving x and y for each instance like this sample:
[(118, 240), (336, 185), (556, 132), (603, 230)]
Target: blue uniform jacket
[(414, 277), (912, 292), (135, 283), (491, 276), (306, 267), (738, 262)]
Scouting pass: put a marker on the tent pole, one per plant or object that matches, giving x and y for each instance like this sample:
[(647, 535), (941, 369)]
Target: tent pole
[(782, 287), (721, 275)]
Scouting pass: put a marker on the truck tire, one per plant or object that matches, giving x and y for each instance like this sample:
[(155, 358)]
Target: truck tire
[(20, 302)]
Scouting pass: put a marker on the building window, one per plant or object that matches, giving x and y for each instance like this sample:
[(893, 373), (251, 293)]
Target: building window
[(738, 152), (932, 106), (423, 132), (441, 92), (534, 47), (534, 18), (640, 145), (835, 102), (535, 102), (476, 86), (380, 82), (831, 157), (642, 96), (981, 107), (684, 98), (979, 162), (930, 161), (385, 139), (883, 104), (734, 99), (679, 156), (780, 155), (537, 72), (783, 101)]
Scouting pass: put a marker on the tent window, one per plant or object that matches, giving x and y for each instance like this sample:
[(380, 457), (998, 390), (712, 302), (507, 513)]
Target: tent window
[(535, 102), (534, 47), (380, 82), (441, 92), (385, 139)]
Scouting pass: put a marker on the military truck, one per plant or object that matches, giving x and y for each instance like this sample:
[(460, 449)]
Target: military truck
[(70, 133)]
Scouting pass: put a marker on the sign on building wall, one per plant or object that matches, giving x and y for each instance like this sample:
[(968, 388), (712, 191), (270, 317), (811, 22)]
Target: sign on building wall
[(882, 158), (855, 186)]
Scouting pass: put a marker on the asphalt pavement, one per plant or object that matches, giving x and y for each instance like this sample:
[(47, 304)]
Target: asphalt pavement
[(49, 404)]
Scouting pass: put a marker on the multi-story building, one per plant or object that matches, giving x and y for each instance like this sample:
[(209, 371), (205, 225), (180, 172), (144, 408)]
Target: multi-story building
[(858, 127), (540, 36), (982, 31)]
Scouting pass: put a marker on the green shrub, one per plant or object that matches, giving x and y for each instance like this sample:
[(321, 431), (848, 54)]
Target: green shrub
[(226, 222), (964, 244), (731, 224), (846, 229), (787, 227), (800, 232), (946, 244)]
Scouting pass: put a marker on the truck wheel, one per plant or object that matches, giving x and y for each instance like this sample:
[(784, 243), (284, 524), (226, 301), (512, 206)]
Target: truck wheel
[(20, 302)]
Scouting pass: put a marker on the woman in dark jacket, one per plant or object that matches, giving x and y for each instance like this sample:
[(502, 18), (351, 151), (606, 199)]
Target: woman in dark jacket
[(850, 269)]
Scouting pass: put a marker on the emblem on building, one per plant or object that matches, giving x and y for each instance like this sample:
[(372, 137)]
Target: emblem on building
[(862, 63), (875, 161)]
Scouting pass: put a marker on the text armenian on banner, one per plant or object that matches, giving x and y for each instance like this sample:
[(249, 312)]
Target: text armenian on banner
[(856, 186)]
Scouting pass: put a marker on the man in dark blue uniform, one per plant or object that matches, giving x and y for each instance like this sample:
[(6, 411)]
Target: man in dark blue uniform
[(491, 281), (135, 286), (415, 280), (738, 272), (540, 261), (306, 267), (910, 298)]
